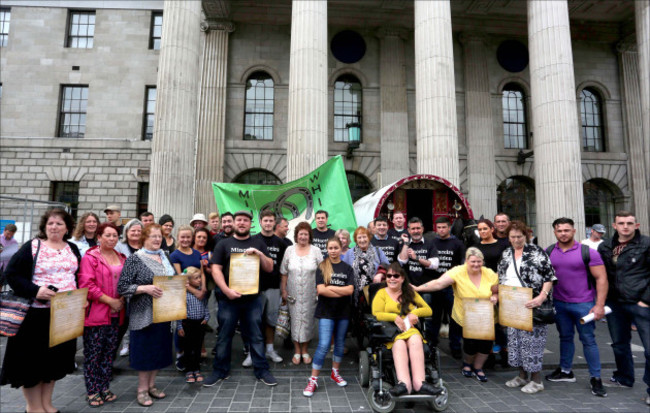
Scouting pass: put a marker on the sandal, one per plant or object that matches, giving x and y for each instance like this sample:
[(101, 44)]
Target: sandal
[(108, 396), (144, 399), (198, 377), (296, 359), (95, 400), (467, 373), (306, 359), (156, 394), (480, 375), (189, 377)]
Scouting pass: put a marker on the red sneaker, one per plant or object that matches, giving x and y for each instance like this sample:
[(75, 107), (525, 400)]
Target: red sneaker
[(310, 389), (338, 379)]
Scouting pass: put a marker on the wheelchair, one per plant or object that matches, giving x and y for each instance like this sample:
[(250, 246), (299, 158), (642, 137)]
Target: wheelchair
[(377, 371)]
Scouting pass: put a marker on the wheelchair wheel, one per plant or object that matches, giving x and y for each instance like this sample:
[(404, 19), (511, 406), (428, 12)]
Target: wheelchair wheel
[(381, 403), (364, 368), (441, 402)]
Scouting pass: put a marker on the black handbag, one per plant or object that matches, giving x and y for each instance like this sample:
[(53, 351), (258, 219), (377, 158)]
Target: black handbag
[(545, 313)]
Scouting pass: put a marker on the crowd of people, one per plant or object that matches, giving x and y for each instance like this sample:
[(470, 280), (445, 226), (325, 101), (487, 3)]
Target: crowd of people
[(323, 281)]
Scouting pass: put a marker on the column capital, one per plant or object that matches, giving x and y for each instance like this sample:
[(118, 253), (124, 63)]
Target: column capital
[(214, 24), (392, 31), (471, 37), (627, 44)]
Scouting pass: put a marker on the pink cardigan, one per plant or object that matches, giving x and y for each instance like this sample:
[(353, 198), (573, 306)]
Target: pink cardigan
[(96, 275)]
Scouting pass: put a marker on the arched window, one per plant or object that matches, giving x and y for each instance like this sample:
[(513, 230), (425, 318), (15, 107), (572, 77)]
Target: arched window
[(516, 197), (258, 112), (600, 202), (257, 177), (359, 185), (591, 116), (347, 105), (515, 126)]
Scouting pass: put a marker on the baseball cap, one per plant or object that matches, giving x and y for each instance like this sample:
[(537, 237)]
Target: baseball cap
[(243, 212), (600, 228), (113, 208)]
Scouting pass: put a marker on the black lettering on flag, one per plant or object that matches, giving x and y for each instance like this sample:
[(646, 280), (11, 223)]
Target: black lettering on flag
[(314, 178)]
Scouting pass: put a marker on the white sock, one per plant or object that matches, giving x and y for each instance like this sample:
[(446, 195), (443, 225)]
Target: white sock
[(269, 348), (566, 371)]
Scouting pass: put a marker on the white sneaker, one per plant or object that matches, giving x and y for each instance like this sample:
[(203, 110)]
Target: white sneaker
[(444, 331), (124, 351), (248, 361), (532, 387), (274, 356)]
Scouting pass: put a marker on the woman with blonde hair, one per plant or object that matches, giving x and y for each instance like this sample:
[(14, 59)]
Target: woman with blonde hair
[(84, 235), (344, 236), (469, 280), (334, 284)]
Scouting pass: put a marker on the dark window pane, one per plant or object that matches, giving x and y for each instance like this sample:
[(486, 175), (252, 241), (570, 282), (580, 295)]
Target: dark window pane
[(514, 117), (66, 192), (259, 107)]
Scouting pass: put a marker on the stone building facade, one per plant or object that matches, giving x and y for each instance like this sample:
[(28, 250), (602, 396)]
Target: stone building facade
[(432, 81)]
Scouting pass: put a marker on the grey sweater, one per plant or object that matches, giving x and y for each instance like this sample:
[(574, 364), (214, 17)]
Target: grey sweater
[(134, 274)]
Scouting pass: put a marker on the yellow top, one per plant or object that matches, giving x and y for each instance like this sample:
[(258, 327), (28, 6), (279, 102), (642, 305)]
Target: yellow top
[(465, 288), (387, 309)]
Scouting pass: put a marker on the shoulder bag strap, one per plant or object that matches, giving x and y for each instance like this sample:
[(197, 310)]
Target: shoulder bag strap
[(38, 249)]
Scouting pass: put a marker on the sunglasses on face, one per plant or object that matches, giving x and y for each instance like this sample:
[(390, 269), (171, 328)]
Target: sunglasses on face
[(392, 276)]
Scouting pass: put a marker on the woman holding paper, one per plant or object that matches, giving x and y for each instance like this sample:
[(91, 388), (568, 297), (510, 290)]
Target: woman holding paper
[(526, 265), (100, 271), (469, 280), (46, 264), (151, 344), (400, 304)]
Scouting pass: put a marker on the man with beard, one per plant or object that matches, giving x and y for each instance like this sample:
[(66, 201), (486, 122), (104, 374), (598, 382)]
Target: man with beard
[(419, 257), (234, 307), (227, 221)]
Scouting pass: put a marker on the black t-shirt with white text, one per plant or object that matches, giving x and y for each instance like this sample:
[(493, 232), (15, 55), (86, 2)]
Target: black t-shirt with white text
[(390, 247), (228, 246), (335, 307), (320, 239), (396, 234), (275, 247), (417, 274), (451, 252)]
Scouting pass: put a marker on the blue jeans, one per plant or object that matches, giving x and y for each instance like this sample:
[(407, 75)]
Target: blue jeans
[(619, 322), (567, 316), (326, 329), (248, 310)]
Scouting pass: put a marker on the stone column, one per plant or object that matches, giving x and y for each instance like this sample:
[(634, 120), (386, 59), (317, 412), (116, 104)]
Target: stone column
[(481, 169), (435, 91), (171, 185), (212, 114), (642, 17), (394, 108), (638, 173), (558, 175), (307, 128)]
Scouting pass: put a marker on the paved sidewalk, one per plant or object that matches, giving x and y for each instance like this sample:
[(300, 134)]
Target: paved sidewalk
[(242, 393)]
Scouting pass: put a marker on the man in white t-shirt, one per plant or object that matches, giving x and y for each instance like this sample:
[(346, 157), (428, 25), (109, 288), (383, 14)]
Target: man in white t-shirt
[(597, 233)]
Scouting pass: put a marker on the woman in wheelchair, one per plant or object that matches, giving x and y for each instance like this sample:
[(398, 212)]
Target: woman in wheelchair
[(470, 280), (399, 303)]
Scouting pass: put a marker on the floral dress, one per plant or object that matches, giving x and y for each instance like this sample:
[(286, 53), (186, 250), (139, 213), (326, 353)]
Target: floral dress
[(301, 287)]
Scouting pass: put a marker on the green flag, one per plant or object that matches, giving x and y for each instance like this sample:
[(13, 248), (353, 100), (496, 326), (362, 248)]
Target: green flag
[(325, 188)]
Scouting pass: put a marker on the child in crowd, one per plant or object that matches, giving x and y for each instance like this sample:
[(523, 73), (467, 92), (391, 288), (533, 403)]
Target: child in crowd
[(192, 328), (335, 285)]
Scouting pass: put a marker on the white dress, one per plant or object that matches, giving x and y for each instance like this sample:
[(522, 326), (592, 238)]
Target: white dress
[(301, 286)]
